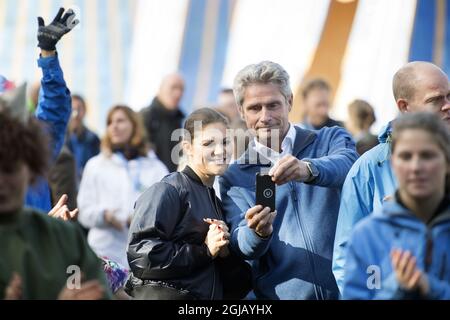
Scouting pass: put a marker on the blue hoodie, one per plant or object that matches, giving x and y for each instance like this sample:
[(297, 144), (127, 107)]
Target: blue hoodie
[(369, 181), (295, 261), (53, 110), (394, 226)]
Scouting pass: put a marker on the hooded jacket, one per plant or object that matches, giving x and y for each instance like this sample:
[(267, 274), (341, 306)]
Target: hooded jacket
[(368, 269), (368, 183)]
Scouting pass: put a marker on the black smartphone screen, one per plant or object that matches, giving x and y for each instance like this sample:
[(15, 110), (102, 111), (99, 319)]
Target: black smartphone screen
[(265, 191)]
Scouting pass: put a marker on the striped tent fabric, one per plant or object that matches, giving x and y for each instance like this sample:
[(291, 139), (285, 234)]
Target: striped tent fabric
[(123, 48)]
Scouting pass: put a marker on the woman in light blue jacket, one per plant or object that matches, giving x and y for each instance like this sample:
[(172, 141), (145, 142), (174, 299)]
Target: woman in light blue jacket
[(403, 250)]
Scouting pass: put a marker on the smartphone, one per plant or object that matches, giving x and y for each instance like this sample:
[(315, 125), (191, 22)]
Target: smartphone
[(265, 191)]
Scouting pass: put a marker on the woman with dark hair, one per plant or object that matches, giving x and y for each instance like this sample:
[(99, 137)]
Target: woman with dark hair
[(37, 250), (178, 245), (403, 251), (361, 118), (113, 180)]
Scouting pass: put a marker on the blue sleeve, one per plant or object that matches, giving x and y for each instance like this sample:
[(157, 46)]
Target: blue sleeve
[(356, 203), (333, 168), (439, 289), (54, 106), (243, 239)]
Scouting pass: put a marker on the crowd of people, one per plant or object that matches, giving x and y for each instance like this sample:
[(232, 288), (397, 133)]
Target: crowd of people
[(145, 213)]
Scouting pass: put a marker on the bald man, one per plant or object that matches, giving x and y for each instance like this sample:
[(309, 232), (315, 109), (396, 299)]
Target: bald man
[(417, 86), (164, 116)]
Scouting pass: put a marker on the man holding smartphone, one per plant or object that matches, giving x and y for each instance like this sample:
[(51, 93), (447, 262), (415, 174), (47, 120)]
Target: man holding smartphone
[(290, 249)]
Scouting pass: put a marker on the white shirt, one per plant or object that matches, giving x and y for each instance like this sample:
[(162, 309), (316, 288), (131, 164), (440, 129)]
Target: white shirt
[(287, 146), (112, 183)]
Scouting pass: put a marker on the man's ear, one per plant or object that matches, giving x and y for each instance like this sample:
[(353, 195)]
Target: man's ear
[(402, 105)]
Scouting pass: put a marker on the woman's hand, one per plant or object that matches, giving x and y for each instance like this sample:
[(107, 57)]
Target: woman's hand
[(112, 221), (408, 275), (61, 211), (216, 239), (224, 251)]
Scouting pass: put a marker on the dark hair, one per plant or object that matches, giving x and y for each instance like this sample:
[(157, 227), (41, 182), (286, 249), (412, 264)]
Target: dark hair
[(25, 142), (204, 115), (428, 122), (312, 84), (137, 137), (361, 114), (81, 99)]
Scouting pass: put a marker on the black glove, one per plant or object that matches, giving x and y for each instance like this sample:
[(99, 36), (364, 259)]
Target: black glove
[(49, 35)]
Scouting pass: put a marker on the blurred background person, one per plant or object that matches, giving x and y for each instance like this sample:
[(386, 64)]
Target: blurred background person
[(317, 103), (36, 250), (163, 117), (113, 180), (82, 142), (408, 239), (226, 105), (62, 179), (361, 118)]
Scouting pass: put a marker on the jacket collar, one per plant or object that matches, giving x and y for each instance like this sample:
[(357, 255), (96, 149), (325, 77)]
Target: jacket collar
[(385, 133), (192, 175), (251, 158), (384, 150), (395, 210)]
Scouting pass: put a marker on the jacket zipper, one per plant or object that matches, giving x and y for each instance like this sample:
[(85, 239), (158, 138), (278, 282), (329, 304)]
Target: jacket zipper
[(307, 240), (430, 244), (428, 250), (440, 271)]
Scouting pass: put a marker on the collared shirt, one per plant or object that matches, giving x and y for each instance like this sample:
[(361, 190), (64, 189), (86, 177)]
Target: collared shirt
[(286, 147)]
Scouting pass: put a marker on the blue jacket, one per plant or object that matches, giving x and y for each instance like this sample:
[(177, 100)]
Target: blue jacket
[(369, 181), (394, 226), (83, 147), (295, 262), (53, 110)]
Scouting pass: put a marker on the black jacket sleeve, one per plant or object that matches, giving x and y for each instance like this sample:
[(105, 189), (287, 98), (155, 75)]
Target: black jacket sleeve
[(152, 252)]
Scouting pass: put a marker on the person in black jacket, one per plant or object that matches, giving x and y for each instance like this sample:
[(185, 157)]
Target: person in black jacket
[(163, 117), (178, 242)]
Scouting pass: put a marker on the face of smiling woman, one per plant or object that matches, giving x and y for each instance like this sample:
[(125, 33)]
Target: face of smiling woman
[(209, 151)]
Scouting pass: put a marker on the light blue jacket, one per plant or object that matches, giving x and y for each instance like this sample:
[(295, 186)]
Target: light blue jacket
[(368, 269), (53, 110), (295, 262), (369, 181)]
